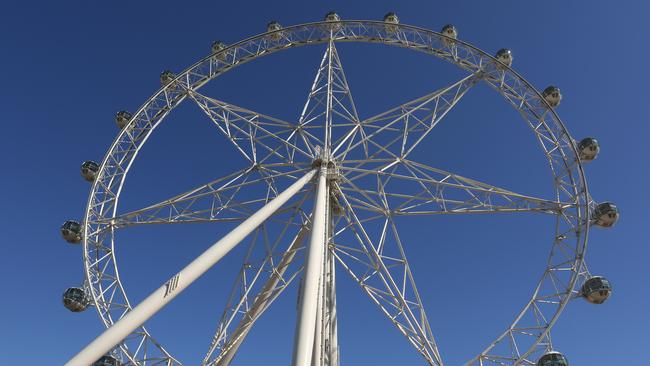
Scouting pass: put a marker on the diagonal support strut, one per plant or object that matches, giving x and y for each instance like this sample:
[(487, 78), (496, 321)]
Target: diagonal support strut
[(179, 282)]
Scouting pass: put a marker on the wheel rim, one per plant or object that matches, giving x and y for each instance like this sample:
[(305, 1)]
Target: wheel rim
[(559, 147)]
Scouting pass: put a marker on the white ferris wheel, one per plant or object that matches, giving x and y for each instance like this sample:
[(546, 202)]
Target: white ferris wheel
[(320, 195)]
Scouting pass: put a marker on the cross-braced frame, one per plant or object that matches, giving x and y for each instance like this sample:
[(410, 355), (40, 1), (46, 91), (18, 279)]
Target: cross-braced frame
[(370, 181)]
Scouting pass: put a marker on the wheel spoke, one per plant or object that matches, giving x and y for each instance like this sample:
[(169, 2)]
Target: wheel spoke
[(379, 265), (258, 137), (224, 199), (404, 187), (397, 131), (330, 110), (377, 181)]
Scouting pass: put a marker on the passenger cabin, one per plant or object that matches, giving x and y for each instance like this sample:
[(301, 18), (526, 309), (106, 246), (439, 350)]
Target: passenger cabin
[(391, 21), (274, 26), (596, 290), (71, 231), (89, 170), (122, 119), (588, 149), (553, 359), (606, 214), (166, 77), (450, 31), (75, 299), (552, 96), (217, 47), (333, 17), (504, 56)]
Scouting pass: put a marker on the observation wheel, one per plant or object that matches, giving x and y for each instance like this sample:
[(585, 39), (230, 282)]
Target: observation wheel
[(320, 195)]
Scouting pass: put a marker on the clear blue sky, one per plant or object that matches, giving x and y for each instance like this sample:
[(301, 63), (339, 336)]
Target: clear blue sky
[(69, 66)]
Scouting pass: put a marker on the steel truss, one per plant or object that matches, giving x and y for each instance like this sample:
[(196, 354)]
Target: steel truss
[(366, 180)]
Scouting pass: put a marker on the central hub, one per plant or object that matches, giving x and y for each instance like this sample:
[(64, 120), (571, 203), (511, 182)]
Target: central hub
[(333, 176), (323, 159), (320, 157)]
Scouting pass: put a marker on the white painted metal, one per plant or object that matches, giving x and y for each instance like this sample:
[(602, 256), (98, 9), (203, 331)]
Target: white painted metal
[(308, 307), (374, 149), (212, 202), (392, 286), (163, 295), (262, 301), (243, 308), (317, 350), (326, 343), (332, 352), (331, 345)]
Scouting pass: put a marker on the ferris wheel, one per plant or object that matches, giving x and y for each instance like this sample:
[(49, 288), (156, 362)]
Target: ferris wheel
[(320, 195)]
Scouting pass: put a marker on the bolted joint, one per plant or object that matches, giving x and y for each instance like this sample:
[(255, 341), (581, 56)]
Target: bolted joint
[(333, 173), (321, 158), (317, 162), (318, 158), (335, 200), (333, 177)]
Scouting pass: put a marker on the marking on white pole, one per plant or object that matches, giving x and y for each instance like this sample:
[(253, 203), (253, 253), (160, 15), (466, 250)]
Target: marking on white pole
[(172, 284)]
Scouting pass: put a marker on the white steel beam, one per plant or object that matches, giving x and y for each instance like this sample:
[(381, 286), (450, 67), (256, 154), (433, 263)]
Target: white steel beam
[(317, 351), (326, 334), (164, 294), (308, 307), (331, 355), (262, 300)]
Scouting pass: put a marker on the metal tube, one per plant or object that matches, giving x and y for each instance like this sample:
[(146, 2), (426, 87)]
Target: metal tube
[(163, 295), (318, 331), (262, 299), (307, 311), (333, 355)]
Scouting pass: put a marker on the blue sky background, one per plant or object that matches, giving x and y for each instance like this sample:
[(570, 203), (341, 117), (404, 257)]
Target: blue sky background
[(69, 66)]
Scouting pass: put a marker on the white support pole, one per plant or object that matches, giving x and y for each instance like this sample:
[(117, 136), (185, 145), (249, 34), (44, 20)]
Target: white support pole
[(163, 295), (307, 311), (317, 351), (333, 351)]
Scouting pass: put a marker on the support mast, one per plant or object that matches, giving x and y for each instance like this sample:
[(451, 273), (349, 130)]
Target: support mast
[(309, 303), (179, 282), (315, 341)]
